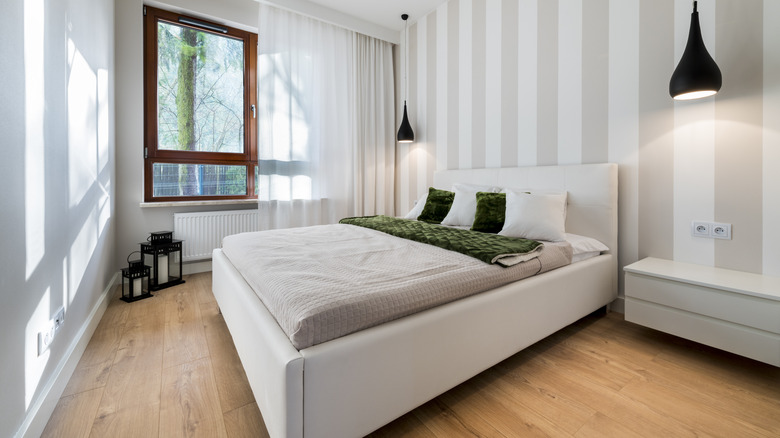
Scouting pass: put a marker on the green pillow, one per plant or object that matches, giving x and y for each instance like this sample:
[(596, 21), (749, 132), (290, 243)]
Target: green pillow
[(436, 206), (491, 210)]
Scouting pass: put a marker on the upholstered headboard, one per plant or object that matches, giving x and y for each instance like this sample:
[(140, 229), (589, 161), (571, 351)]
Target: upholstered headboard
[(592, 192)]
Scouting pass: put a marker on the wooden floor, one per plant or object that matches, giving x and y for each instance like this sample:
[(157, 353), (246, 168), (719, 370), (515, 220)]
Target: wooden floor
[(167, 367)]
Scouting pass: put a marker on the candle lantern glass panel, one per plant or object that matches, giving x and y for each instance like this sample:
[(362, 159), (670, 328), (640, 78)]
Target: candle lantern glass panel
[(174, 264), (135, 283), (164, 258)]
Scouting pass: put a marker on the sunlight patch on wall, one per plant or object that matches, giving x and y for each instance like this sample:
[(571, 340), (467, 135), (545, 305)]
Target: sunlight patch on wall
[(102, 118), (82, 126), (35, 176), (104, 158), (34, 365), (104, 213), (82, 249)]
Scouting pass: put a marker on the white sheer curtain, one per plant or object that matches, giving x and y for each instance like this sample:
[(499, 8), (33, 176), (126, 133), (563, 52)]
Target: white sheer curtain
[(373, 141), (326, 142)]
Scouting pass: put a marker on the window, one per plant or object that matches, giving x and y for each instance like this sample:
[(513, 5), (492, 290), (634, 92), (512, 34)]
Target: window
[(199, 109)]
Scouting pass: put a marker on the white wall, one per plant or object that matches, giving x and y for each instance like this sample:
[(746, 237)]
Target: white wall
[(58, 204), (537, 82)]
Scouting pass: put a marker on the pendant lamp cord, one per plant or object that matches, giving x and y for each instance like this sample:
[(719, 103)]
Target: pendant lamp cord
[(406, 58)]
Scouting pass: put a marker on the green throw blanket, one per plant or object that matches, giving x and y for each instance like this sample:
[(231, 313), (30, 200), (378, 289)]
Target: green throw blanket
[(490, 248)]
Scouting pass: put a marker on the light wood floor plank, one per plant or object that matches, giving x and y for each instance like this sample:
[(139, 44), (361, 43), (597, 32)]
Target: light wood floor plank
[(131, 399), (752, 376), (190, 403), (573, 360), (95, 364), (200, 287), (636, 415), (234, 390), (601, 426), (407, 426), (511, 417), (87, 377), (128, 421), (578, 384), (245, 422), (678, 405), (73, 416), (720, 394), (185, 340), (608, 351), (542, 394), (445, 417), (599, 377), (716, 387)]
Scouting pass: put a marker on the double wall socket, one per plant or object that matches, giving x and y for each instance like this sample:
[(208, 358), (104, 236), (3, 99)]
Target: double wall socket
[(46, 337), (714, 230)]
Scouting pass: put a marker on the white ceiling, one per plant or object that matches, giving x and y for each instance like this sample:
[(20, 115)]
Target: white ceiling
[(385, 13)]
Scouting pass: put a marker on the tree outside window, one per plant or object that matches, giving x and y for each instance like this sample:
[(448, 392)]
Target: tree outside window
[(199, 94)]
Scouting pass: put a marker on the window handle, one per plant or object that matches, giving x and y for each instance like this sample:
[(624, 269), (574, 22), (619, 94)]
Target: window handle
[(254, 115)]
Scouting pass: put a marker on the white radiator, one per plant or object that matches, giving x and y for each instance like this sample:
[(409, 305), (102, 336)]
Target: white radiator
[(202, 232)]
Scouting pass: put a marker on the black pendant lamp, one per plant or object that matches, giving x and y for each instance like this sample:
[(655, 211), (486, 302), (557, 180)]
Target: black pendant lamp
[(697, 75), (405, 133)]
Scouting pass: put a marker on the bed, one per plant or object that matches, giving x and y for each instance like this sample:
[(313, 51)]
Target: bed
[(352, 385)]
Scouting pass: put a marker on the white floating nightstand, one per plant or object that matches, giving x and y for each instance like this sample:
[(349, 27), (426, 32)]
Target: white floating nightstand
[(731, 310)]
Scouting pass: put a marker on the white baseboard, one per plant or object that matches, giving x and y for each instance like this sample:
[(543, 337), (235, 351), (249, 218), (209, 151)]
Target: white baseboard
[(196, 267), (41, 409)]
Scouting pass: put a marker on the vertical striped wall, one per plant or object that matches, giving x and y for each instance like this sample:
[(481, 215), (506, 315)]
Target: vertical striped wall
[(542, 82)]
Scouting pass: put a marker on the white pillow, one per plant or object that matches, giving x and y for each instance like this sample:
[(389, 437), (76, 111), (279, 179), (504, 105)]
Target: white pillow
[(584, 244), (418, 207), (535, 216), (584, 247), (464, 206)]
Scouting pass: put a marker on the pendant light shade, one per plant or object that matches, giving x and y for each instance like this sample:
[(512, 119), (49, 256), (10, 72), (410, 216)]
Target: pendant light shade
[(697, 75), (405, 133)]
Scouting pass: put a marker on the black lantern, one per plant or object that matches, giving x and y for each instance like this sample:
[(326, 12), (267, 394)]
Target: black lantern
[(163, 254), (135, 280)]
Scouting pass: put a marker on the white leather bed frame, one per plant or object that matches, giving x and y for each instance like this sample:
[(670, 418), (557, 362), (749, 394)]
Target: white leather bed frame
[(353, 385)]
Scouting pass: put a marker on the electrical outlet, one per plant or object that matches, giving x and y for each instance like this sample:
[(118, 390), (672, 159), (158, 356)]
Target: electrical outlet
[(720, 231), (46, 336), (714, 230), (700, 229)]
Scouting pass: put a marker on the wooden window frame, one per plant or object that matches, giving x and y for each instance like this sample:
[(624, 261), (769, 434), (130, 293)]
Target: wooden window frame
[(154, 155)]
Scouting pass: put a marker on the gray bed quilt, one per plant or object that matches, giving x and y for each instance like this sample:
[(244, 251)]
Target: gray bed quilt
[(324, 282)]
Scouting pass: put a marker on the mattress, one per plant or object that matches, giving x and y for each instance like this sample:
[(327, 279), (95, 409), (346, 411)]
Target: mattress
[(324, 282)]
